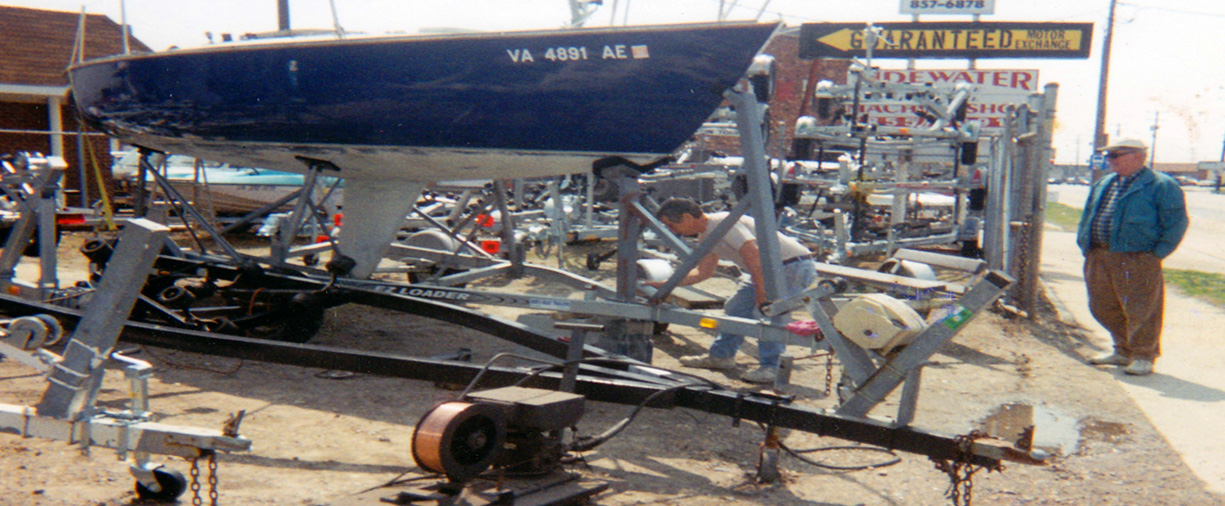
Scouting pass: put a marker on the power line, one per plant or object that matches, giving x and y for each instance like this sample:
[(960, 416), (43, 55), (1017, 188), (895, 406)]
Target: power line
[(791, 17), (1179, 11)]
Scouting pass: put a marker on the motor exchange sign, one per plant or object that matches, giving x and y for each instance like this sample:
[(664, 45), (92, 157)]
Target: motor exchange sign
[(943, 39)]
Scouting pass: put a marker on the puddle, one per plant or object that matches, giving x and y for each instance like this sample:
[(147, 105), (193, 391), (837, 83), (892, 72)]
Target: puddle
[(1054, 432), (1109, 432)]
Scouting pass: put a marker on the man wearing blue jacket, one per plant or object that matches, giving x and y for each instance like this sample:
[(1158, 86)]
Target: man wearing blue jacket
[(1133, 219)]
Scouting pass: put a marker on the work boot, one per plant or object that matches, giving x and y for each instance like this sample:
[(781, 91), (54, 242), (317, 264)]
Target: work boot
[(1110, 359), (708, 362), (1139, 367), (763, 374)]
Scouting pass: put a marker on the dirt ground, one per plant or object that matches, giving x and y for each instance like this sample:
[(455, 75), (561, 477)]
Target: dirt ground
[(319, 438)]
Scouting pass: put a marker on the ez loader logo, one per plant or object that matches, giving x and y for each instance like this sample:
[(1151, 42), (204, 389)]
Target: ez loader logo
[(949, 40), (431, 293), (462, 296)]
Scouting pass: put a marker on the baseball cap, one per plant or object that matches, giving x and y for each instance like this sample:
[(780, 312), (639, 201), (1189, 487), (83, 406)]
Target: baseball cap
[(1128, 143)]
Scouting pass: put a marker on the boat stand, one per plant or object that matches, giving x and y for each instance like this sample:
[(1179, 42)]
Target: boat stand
[(305, 209), (68, 409), (284, 236)]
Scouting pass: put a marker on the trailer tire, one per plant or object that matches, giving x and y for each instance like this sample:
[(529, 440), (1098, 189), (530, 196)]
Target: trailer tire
[(172, 482)]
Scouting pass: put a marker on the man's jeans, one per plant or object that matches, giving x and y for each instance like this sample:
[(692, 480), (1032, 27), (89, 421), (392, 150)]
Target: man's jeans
[(797, 277)]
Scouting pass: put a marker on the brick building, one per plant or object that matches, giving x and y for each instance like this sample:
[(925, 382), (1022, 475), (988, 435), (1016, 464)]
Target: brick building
[(792, 77), (36, 113)]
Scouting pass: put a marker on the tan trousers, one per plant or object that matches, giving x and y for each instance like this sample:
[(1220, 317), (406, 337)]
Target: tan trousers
[(1127, 296)]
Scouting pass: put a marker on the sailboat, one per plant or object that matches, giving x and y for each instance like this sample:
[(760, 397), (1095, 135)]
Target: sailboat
[(390, 114)]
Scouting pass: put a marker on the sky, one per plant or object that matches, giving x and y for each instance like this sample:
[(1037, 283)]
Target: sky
[(1165, 60)]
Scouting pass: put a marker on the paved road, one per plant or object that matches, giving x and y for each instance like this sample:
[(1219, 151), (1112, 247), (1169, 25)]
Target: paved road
[(1185, 398), (1203, 249)]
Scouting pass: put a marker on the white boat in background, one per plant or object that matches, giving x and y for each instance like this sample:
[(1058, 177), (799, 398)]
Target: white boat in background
[(227, 190)]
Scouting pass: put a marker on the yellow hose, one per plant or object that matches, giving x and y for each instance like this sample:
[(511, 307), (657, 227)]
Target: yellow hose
[(108, 214)]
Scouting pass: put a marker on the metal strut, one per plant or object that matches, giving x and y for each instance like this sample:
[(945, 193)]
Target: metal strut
[(146, 167), (68, 411)]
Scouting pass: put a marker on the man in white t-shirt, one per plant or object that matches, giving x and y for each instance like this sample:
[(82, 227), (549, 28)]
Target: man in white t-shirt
[(685, 218)]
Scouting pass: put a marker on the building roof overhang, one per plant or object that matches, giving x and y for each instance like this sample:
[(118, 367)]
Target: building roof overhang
[(26, 93)]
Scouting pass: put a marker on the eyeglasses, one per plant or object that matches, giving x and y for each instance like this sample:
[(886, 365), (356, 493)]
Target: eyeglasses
[(1117, 154)]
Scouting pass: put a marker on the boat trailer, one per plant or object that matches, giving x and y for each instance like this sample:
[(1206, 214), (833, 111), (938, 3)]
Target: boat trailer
[(596, 376), (589, 372)]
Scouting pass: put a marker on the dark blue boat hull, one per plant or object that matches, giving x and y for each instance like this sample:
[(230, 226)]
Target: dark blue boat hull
[(426, 108)]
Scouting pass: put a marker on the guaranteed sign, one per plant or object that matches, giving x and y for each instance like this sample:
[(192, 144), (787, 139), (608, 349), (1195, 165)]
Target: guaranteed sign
[(949, 40)]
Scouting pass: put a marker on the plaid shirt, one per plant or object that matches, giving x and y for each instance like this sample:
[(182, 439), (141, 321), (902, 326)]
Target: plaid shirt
[(1105, 214)]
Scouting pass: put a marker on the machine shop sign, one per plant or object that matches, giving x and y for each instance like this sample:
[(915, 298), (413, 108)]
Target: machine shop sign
[(994, 91), (949, 39)]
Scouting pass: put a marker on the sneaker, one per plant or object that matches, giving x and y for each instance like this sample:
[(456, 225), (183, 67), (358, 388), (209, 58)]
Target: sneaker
[(761, 374), (1139, 367), (708, 362), (1110, 359)]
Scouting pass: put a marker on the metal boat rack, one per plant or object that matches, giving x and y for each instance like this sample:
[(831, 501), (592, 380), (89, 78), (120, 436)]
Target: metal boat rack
[(29, 185), (896, 165), (616, 369)]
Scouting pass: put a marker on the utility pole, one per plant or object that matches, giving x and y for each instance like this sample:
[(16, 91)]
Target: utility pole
[(1099, 131), (1077, 150), (282, 15), (1152, 149), (127, 31)]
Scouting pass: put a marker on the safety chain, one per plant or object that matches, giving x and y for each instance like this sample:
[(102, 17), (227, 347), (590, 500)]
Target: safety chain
[(829, 368), (195, 482), (212, 480), (961, 471), (829, 373)]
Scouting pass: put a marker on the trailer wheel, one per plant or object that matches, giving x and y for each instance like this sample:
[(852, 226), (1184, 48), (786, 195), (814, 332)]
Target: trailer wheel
[(172, 483), (303, 318)]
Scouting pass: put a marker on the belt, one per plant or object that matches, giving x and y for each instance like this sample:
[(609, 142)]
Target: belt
[(800, 258)]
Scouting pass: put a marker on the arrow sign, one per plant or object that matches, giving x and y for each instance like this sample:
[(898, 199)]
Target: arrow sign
[(949, 40)]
